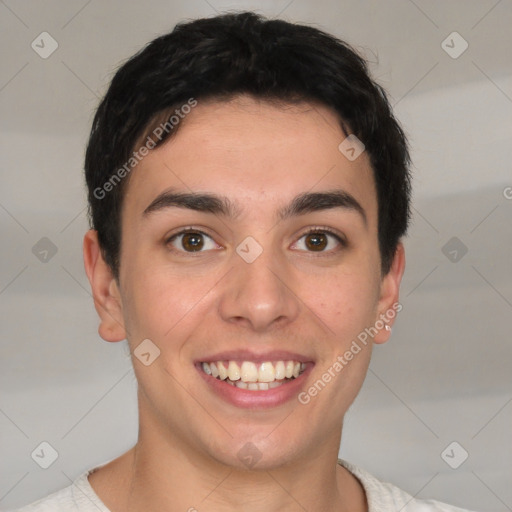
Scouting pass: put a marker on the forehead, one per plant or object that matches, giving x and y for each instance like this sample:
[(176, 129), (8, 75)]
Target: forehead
[(258, 154)]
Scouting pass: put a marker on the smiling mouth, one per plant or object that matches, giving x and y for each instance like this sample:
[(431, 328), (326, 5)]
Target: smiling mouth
[(253, 376)]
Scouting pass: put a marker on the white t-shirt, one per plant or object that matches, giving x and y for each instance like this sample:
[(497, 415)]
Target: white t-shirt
[(381, 496)]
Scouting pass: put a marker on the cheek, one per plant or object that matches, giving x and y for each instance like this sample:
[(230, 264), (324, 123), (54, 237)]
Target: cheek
[(155, 306), (347, 306), (345, 301), (163, 304)]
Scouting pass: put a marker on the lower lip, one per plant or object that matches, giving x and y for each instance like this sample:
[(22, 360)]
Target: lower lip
[(249, 399)]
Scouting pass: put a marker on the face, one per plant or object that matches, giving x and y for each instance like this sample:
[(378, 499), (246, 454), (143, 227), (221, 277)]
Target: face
[(250, 260)]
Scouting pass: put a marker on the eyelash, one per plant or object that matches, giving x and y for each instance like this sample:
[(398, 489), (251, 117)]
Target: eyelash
[(315, 230)]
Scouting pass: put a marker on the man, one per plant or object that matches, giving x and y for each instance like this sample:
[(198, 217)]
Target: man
[(249, 188)]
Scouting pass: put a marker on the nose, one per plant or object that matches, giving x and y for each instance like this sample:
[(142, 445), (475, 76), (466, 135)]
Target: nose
[(259, 295)]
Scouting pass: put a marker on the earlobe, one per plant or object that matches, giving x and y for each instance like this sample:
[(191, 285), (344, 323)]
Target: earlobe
[(389, 305), (105, 290)]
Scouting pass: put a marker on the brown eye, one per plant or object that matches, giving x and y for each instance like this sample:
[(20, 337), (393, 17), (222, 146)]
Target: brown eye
[(316, 241), (320, 240), (192, 241)]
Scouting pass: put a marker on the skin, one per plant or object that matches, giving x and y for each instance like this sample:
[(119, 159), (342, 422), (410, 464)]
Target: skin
[(291, 297)]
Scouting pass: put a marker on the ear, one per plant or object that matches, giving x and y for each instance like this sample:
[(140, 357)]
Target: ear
[(105, 290), (388, 305)]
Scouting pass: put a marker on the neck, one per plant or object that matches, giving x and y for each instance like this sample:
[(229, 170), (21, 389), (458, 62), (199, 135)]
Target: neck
[(165, 473)]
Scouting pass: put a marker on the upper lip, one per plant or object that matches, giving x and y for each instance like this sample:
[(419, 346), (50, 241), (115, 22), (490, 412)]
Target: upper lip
[(256, 357)]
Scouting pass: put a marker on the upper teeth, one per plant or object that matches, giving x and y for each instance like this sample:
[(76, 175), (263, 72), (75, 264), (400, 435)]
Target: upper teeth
[(269, 371)]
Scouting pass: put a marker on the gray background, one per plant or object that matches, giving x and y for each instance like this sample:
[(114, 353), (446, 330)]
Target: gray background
[(446, 373)]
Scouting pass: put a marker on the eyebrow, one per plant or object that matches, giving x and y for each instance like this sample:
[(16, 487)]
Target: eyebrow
[(307, 202)]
